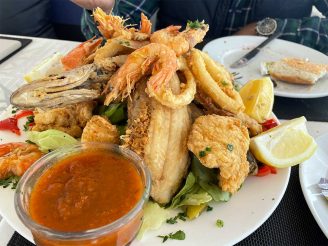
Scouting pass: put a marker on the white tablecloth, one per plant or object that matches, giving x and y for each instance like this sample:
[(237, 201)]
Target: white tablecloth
[(13, 69)]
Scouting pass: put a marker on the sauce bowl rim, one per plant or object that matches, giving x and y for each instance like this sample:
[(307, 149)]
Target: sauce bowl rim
[(138, 162)]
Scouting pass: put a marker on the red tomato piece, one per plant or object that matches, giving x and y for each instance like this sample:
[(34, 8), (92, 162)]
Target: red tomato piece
[(23, 113), (10, 124), (269, 124), (263, 171)]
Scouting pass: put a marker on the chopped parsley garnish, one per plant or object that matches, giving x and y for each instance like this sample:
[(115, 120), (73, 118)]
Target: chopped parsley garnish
[(30, 120), (203, 153), (194, 24), (236, 87), (14, 110), (174, 220), (230, 147), (209, 208), (12, 180), (179, 235), (224, 83), (123, 42), (219, 223)]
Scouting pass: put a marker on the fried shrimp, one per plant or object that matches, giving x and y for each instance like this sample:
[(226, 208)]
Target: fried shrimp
[(111, 26), (180, 42), (16, 158), (166, 96), (113, 54), (82, 54), (228, 141), (145, 24), (215, 81), (156, 57)]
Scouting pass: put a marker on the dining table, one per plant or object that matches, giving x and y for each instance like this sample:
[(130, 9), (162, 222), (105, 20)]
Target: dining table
[(290, 224)]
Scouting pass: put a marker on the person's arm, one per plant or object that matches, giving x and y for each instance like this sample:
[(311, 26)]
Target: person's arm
[(128, 9), (105, 5), (310, 31)]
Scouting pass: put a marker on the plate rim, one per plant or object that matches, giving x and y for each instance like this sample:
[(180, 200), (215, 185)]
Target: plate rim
[(280, 94), (304, 190)]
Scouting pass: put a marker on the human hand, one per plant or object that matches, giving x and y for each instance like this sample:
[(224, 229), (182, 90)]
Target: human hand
[(105, 5), (247, 30)]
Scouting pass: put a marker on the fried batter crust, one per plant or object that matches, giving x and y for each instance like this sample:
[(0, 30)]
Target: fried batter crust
[(159, 135), (98, 129), (70, 119), (228, 141)]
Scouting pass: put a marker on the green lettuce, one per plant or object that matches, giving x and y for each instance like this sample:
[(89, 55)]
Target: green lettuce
[(115, 112), (196, 196), (50, 139), (201, 187), (207, 179), (190, 181), (154, 217)]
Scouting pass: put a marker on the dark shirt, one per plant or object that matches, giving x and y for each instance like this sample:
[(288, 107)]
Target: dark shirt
[(26, 17), (226, 17)]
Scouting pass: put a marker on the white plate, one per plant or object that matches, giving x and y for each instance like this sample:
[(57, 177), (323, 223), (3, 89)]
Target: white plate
[(229, 49), (243, 214), (310, 173)]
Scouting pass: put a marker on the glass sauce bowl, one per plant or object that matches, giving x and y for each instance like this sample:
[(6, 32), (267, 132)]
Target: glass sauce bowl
[(119, 232)]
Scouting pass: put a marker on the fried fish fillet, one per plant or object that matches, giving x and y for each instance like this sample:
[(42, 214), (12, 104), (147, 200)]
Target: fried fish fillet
[(70, 119), (159, 135), (222, 142), (98, 129)]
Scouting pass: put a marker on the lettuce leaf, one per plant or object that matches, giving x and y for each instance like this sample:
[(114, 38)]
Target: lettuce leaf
[(115, 112), (190, 181), (154, 217), (50, 139), (196, 196), (207, 180)]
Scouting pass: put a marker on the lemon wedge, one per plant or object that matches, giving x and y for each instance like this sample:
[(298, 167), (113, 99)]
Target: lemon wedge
[(258, 98), (51, 65), (285, 145)]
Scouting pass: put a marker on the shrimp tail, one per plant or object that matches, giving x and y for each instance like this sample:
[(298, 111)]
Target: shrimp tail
[(145, 24)]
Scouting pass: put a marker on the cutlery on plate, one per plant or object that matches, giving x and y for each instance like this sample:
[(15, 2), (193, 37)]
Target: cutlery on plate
[(243, 61), (323, 183)]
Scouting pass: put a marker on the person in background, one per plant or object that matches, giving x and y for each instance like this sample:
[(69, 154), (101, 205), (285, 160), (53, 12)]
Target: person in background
[(26, 17), (225, 17)]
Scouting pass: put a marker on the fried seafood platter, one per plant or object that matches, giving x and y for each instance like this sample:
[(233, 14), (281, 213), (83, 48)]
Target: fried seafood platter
[(173, 105)]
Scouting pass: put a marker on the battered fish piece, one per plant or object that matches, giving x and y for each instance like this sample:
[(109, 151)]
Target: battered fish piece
[(98, 129), (159, 135), (70, 119), (222, 142)]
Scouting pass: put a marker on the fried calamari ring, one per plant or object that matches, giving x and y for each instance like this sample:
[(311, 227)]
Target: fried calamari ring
[(168, 98), (215, 81)]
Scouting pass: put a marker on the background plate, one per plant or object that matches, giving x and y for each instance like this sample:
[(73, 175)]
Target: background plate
[(310, 173), (229, 49)]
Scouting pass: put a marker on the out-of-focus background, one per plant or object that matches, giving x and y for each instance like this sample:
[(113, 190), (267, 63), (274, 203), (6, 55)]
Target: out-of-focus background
[(46, 18), (66, 18), (43, 18)]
